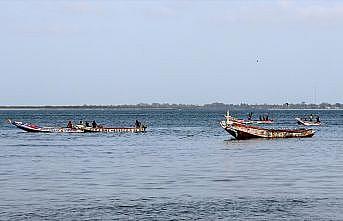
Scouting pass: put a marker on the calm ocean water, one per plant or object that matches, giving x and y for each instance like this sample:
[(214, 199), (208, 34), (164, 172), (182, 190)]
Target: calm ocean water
[(184, 167)]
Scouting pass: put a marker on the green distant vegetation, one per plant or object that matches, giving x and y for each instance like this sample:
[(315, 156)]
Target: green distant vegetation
[(212, 106)]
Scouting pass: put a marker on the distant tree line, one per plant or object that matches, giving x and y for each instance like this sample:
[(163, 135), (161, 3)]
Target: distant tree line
[(301, 105), (212, 106)]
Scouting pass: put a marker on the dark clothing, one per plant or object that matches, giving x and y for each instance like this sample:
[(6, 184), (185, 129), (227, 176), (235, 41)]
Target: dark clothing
[(138, 124), (70, 124), (250, 116), (94, 124)]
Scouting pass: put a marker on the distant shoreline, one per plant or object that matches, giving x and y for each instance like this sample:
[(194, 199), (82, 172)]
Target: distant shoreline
[(166, 106)]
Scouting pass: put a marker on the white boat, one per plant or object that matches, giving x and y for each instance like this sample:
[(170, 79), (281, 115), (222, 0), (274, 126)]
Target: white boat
[(307, 123), (242, 121)]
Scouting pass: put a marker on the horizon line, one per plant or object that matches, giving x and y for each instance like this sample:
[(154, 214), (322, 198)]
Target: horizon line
[(173, 104)]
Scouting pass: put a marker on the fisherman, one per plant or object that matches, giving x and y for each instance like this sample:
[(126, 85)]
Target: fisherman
[(87, 124), (94, 124), (250, 116), (138, 124), (70, 124)]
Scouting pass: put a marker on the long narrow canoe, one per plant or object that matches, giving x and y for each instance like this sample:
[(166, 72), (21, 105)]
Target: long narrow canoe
[(28, 127), (112, 129), (116, 129), (77, 129), (307, 123), (242, 131)]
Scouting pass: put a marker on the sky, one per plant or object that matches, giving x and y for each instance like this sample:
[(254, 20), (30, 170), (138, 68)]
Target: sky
[(196, 52)]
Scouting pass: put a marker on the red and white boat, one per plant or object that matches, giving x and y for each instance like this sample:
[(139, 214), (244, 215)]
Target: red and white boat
[(28, 127)]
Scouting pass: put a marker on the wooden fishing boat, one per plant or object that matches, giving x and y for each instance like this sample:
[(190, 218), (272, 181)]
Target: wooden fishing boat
[(77, 129), (28, 127), (242, 131), (307, 123), (114, 129)]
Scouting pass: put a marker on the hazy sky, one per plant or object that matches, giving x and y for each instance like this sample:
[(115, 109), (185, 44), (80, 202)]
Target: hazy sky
[(127, 52)]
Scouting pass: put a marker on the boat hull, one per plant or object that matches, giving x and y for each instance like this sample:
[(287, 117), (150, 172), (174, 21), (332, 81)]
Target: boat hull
[(36, 129), (307, 123), (242, 132), (115, 129), (77, 129)]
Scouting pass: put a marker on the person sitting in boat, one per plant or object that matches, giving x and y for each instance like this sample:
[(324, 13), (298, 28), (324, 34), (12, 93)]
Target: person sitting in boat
[(87, 124), (94, 125), (70, 124)]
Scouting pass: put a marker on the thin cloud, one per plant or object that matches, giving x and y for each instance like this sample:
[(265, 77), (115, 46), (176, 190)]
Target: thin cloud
[(160, 11), (84, 8), (282, 11), (321, 13), (47, 30)]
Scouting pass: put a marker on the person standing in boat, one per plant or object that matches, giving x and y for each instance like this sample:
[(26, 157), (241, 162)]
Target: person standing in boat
[(318, 120), (94, 125), (138, 124), (250, 116), (70, 124)]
